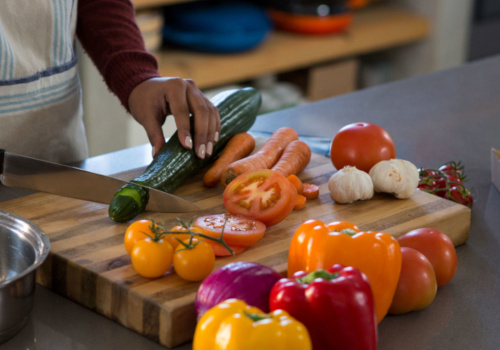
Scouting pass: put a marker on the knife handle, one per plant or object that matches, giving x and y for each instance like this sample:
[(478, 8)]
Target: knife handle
[(2, 153)]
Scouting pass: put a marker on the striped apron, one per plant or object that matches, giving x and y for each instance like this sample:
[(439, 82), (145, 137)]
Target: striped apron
[(40, 93)]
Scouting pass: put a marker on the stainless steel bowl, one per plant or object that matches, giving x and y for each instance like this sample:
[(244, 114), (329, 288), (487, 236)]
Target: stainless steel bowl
[(23, 247)]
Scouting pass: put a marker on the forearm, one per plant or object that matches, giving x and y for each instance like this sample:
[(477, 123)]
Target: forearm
[(109, 34)]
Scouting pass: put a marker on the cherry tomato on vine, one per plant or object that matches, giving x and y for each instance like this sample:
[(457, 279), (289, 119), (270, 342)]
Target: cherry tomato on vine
[(437, 248), (137, 231), (424, 172), (461, 195), (441, 185), (263, 195), (219, 249), (452, 167), (195, 262), (447, 182), (427, 185), (454, 179), (417, 285), (152, 258), (171, 237), (361, 145)]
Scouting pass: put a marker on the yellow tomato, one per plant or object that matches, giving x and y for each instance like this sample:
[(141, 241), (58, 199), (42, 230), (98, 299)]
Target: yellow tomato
[(152, 259), (196, 262), (171, 237), (137, 231)]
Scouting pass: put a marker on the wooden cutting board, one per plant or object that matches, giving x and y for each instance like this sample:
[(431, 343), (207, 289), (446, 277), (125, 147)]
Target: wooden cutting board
[(88, 262)]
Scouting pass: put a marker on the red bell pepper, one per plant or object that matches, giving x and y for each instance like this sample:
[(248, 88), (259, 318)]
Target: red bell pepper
[(336, 306)]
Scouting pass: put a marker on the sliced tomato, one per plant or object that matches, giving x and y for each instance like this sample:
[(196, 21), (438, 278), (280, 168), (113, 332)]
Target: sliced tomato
[(220, 250), (239, 231), (264, 195), (311, 191)]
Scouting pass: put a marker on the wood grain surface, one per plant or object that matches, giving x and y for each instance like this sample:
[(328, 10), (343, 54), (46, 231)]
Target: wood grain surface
[(88, 262)]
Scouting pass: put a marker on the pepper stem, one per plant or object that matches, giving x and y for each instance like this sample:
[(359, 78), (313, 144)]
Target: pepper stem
[(349, 232), (317, 274), (256, 317)]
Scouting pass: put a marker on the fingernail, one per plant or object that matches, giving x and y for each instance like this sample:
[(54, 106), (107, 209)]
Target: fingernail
[(216, 137), (153, 152), (201, 152), (210, 148), (188, 142)]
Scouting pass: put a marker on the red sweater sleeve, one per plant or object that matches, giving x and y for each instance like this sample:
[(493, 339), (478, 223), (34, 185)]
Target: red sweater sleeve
[(109, 34)]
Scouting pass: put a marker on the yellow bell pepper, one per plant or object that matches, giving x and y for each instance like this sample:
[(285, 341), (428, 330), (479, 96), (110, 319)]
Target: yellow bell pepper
[(234, 325)]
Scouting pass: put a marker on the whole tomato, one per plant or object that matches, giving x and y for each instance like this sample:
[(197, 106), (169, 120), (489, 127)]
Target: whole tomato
[(460, 195), (194, 259), (417, 285), (152, 258), (453, 167), (137, 231), (437, 248), (361, 145), (173, 238)]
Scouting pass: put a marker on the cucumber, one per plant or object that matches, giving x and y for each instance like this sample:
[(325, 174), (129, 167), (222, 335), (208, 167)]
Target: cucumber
[(173, 164)]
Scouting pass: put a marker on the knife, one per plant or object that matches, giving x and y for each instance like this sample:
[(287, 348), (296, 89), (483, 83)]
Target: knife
[(44, 176)]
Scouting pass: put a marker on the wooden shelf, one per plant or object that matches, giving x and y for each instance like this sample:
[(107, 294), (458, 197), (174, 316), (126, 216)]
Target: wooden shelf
[(374, 29), (143, 4)]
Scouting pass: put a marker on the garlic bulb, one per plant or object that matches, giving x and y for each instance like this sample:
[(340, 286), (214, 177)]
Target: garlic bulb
[(350, 184), (396, 176)]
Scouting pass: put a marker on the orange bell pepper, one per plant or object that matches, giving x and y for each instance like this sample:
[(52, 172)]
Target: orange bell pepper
[(316, 245)]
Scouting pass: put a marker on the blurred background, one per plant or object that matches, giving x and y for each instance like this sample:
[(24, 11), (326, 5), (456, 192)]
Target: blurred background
[(295, 52)]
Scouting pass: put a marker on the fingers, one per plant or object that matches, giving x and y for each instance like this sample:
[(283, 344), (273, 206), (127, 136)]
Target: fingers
[(178, 104), (206, 122), (151, 100), (190, 100), (152, 126), (155, 136), (150, 112)]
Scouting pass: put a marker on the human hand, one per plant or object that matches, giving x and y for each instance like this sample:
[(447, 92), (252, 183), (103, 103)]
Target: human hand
[(151, 101)]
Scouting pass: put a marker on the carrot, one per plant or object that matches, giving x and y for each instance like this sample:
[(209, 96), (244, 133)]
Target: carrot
[(311, 191), (294, 159), (296, 183), (264, 158), (239, 146), (300, 202)]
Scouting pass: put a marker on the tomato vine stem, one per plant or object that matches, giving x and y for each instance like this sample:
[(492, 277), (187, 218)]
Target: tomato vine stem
[(192, 234)]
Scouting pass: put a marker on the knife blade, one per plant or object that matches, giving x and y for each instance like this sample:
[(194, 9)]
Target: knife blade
[(44, 176)]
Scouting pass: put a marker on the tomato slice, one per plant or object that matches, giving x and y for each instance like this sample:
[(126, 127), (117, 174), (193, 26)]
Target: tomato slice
[(238, 232), (264, 195), (220, 250), (310, 191)]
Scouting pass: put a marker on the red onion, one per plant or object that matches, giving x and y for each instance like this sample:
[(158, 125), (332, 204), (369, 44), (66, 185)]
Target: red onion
[(247, 281)]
